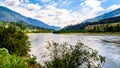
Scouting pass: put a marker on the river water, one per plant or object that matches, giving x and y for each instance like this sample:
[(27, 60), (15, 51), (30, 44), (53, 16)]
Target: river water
[(107, 45)]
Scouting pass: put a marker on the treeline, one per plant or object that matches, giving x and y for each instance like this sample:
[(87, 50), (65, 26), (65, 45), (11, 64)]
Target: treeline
[(99, 28), (104, 28), (26, 28), (70, 31)]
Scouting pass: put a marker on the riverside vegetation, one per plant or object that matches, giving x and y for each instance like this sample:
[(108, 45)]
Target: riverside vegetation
[(14, 48), (99, 28), (27, 28)]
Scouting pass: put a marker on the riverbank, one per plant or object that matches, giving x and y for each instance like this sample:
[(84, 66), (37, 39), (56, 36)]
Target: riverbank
[(95, 34)]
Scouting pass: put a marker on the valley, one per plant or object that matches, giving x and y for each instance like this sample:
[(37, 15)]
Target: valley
[(27, 42)]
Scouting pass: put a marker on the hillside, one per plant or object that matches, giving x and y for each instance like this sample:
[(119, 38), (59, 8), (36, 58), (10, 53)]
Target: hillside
[(111, 14), (110, 17), (8, 15), (109, 27)]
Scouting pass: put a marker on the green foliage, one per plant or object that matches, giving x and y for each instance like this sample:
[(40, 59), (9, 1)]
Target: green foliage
[(104, 28), (99, 28), (72, 56), (70, 31), (11, 61), (14, 40), (32, 60), (32, 63), (27, 28), (38, 30)]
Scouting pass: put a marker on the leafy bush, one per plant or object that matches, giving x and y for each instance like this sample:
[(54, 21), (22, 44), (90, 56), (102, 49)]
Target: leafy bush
[(11, 61), (32, 63), (14, 40), (72, 56), (32, 60)]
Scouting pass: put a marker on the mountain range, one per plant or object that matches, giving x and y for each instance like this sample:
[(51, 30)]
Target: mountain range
[(110, 17), (7, 15), (113, 13)]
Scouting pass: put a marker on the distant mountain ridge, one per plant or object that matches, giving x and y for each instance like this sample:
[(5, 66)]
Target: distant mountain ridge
[(8, 15), (110, 17), (113, 13)]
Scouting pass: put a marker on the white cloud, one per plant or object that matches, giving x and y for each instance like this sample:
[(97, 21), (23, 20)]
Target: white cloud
[(91, 7), (45, 0), (113, 7), (24, 11), (32, 6), (63, 17), (59, 17), (12, 2)]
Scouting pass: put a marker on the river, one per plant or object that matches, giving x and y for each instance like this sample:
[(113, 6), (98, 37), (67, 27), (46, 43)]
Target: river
[(107, 45)]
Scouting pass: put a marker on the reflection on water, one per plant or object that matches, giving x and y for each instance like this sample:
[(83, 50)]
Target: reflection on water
[(110, 50)]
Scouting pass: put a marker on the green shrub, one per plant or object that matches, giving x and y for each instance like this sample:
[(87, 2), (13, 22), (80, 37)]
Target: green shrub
[(11, 61), (72, 56), (14, 47), (14, 40), (32, 60)]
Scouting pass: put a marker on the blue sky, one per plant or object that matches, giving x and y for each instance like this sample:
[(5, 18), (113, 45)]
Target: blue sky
[(61, 12)]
